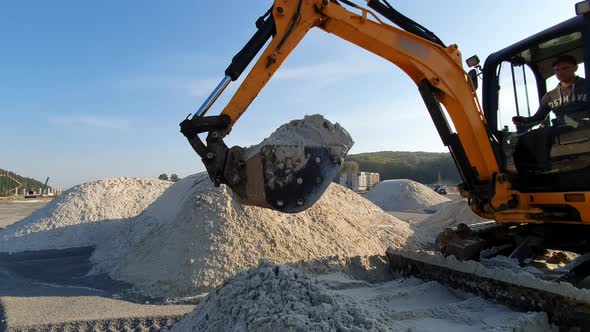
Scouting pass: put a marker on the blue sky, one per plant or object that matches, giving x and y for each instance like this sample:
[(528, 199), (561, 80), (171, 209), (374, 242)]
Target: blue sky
[(91, 90)]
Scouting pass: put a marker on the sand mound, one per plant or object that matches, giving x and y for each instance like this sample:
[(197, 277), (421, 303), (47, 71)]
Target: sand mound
[(449, 215), (195, 236), (280, 298), (83, 215), (404, 195), (312, 130)]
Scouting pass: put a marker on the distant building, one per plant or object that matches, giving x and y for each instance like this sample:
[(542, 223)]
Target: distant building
[(375, 178), (362, 180), (359, 181)]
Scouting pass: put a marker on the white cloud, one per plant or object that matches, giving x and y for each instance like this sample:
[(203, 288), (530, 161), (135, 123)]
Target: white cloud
[(326, 72), (102, 122), (341, 69), (333, 71), (203, 87)]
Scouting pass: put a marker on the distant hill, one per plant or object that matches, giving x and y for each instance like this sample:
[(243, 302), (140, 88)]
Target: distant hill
[(7, 185), (423, 167)]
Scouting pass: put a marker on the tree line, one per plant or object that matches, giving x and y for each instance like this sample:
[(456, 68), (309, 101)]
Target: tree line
[(9, 183), (423, 167)]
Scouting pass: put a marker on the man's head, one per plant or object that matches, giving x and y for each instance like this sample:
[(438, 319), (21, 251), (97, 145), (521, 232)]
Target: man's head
[(565, 67)]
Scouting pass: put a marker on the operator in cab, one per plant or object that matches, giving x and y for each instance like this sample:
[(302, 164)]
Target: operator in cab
[(569, 103), (570, 90)]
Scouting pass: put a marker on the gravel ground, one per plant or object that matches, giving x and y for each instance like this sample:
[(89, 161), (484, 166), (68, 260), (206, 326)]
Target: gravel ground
[(50, 289), (13, 211), (35, 296)]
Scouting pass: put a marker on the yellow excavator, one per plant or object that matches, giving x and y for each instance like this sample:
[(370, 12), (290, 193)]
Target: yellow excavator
[(538, 195)]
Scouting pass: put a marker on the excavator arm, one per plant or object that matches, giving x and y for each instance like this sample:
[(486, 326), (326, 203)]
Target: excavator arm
[(446, 89), (435, 68)]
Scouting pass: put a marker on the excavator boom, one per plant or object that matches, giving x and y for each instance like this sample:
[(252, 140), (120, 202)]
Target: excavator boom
[(443, 84), (436, 69), (290, 177)]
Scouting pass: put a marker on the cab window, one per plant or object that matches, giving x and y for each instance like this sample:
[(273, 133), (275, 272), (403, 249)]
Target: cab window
[(517, 94)]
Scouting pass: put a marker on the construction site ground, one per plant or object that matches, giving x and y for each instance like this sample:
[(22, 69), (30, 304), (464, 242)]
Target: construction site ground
[(50, 289), (12, 211), (417, 217), (47, 290)]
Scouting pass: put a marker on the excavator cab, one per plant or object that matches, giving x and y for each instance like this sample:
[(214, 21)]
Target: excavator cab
[(553, 154)]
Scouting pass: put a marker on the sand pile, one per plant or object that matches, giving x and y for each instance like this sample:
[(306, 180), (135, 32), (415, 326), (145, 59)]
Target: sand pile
[(404, 195), (449, 215), (83, 215), (195, 236), (312, 130), (280, 298)]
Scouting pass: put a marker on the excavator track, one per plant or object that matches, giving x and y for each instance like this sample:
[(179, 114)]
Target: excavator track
[(565, 305)]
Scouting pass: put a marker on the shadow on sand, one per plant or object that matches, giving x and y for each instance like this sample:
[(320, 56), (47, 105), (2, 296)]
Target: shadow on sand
[(58, 272)]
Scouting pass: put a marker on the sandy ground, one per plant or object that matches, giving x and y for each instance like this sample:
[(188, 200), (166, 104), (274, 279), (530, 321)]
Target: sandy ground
[(280, 298), (405, 195), (412, 217), (51, 288), (409, 217), (47, 288), (13, 211), (453, 196)]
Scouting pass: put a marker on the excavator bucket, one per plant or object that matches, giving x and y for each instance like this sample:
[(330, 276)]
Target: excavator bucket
[(285, 178), (288, 171)]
